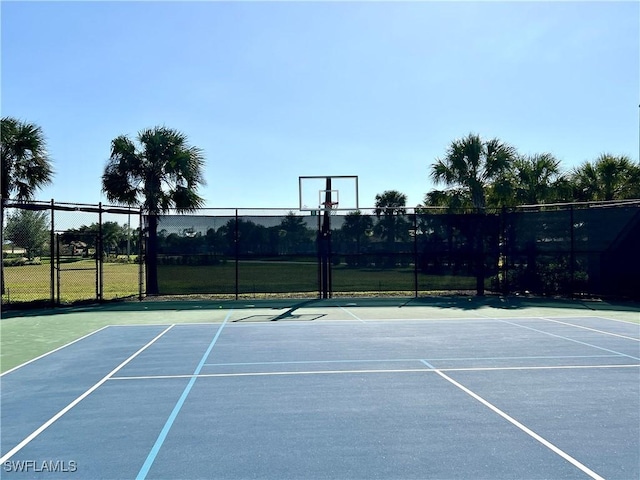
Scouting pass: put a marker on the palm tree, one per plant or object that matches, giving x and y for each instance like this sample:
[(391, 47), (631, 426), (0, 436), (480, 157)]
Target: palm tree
[(356, 225), (533, 179), (454, 199), (390, 202), (610, 177), (26, 164), (390, 207), (471, 163), (163, 172)]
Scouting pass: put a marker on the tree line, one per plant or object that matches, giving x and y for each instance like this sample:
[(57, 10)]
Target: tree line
[(160, 171), (29, 231), (481, 173)]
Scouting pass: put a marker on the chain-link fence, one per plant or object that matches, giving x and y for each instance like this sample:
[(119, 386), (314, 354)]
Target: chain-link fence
[(577, 249), (225, 253), (271, 252), (56, 253), (61, 253)]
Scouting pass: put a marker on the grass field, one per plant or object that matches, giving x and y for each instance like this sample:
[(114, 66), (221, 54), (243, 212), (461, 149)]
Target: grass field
[(283, 277), (31, 283), (78, 280)]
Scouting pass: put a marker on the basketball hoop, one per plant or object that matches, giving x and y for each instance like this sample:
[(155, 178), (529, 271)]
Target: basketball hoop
[(329, 207)]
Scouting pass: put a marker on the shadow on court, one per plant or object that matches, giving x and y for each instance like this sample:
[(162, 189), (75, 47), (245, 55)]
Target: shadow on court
[(453, 302)]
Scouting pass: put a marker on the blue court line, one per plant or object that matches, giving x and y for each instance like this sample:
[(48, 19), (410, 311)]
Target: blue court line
[(142, 474), (571, 340), (428, 364)]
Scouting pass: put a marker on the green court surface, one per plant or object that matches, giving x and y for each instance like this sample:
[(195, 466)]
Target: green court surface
[(391, 388), (25, 335)]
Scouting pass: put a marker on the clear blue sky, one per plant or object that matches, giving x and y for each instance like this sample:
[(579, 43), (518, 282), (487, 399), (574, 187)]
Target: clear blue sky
[(274, 90)]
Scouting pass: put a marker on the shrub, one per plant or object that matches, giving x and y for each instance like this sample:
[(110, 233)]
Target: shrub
[(20, 261), (15, 261)]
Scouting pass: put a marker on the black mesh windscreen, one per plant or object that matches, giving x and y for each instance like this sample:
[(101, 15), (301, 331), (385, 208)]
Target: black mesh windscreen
[(457, 251), (573, 251), (563, 251), (372, 253), (237, 255), (537, 252)]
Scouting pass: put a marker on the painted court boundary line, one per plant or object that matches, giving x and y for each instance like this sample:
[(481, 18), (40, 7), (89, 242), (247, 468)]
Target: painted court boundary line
[(352, 314), (570, 339), (609, 319), (144, 470), (397, 360), (516, 423), (53, 419), (52, 351), (369, 371), (592, 329)]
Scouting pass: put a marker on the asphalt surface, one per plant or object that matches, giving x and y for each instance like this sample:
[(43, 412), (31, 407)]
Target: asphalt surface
[(331, 393)]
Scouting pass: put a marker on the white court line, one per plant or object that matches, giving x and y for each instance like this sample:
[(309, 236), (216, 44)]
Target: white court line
[(270, 374), (352, 314), (358, 320), (395, 360), (368, 371), (592, 329), (522, 427), (53, 419), (373, 321), (549, 367), (142, 325), (611, 319), (52, 351), (571, 340)]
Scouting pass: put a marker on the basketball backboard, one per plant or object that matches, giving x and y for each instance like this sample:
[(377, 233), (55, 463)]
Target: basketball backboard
[(337, 192)]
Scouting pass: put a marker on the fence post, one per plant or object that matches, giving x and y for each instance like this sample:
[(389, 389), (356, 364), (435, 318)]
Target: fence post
[(2, 213), (52, 265), (572, 256), (415, 254), (236, 241), (99, 255), (319, 255), (58, 269), (503, 252), (140, 258), (479, 250)]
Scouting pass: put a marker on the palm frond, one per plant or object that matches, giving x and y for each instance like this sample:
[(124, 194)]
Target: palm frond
[(25, 161), (186, 200), (161, 173)]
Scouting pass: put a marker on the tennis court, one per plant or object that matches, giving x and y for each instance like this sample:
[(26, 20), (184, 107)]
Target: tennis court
[(336, 389)]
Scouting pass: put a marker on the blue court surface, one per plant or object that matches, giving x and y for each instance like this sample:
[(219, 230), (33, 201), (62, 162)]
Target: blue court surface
[(333, 393)]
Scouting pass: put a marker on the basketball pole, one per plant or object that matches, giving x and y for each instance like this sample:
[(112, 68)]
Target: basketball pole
[(325, 244)]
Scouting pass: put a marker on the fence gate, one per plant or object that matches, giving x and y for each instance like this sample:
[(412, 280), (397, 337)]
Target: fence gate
[(78, 270)]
